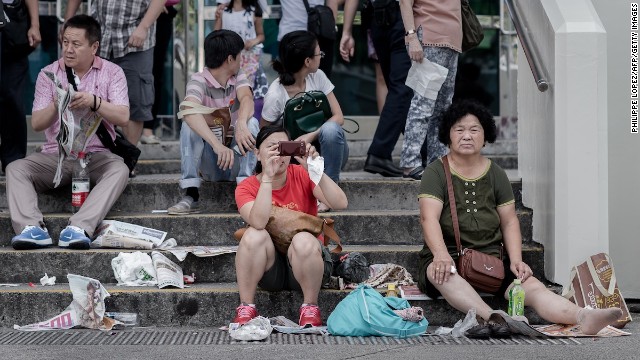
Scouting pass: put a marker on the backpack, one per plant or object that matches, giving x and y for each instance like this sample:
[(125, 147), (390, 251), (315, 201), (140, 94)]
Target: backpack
[(321, 21)]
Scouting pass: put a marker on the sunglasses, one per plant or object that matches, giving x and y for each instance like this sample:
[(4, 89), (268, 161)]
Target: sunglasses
[(321, 54)]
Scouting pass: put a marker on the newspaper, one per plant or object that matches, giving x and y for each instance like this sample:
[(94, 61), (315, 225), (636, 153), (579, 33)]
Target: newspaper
[(119, 233), (561, 330), (86, 310), (515, 326), (121, 242), (72, 135), (167, 272), (180, 252), (283, 325)]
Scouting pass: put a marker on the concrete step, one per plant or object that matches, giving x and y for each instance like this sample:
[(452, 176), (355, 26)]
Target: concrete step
[(30, 266), (358, 147), (204, 304), (154, 192), (169, 166), (371, 227)]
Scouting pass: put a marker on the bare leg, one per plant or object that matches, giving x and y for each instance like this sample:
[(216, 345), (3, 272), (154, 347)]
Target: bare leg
[(556, 309), (461, 295), (305, 256), (147, 132), (255, 256), (133, 131)]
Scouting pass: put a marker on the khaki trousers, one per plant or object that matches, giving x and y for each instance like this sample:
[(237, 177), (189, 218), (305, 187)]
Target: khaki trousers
[(28, 177)]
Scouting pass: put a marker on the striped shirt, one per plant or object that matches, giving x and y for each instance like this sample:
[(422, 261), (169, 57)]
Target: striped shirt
[(105, 79), (204, 89), (118, 19)]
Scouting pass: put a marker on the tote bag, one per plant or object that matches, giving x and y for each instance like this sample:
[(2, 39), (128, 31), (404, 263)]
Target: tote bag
[(594, 283), (365, 312)]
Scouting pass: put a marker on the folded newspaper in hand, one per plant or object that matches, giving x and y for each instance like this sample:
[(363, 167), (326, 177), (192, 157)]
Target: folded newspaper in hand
[(73, 135)]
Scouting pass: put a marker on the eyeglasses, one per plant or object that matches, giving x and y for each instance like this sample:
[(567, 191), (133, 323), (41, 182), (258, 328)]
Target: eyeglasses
[(321, 54)]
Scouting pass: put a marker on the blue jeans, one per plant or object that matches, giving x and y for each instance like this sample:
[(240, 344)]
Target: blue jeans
[(333, 148), (198, 157)]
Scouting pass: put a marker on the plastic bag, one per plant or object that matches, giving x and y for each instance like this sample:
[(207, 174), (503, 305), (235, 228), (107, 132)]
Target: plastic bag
[(258, 328), (134, 269), (353, 267), (465, 324)]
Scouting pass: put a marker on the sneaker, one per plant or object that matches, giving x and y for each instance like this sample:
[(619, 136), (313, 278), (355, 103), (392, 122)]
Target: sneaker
[(151, 139), (310, 316), (31, 237), (74, 237), (184, 207), (244, 313)]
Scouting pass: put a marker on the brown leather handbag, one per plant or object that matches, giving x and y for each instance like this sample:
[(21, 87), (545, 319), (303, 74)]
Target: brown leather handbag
[(285, 223), (215, 118), (483, 272)]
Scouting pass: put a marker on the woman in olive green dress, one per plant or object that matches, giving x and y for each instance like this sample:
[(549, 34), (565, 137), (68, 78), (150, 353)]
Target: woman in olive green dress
[(487, 219)]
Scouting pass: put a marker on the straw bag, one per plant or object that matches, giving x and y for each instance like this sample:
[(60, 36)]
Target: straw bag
[(284, 224)]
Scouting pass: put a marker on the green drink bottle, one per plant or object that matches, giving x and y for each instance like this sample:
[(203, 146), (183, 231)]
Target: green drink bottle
[(516, 299)]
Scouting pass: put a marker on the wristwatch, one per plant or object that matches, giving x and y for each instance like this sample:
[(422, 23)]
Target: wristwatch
[(412, 31)]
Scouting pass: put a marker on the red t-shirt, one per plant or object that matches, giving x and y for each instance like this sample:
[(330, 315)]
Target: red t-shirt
[(296, 194)]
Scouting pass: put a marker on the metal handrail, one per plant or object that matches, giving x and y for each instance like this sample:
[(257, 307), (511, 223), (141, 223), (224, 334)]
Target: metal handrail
[(530, 51)]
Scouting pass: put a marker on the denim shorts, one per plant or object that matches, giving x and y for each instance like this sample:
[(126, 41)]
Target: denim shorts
[(280, 275)]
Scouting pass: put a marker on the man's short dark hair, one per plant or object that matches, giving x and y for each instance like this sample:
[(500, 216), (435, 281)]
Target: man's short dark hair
[(219, 45), (88, 23), (462, 108)]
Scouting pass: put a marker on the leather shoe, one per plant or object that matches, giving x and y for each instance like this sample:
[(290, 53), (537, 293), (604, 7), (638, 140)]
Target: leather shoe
[(384, 167)]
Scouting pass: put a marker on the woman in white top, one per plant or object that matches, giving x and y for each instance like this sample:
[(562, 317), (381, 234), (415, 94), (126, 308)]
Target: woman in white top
[(297, 66)]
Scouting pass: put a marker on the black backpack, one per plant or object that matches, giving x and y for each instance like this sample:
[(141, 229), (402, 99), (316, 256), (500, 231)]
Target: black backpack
[(321, 21)]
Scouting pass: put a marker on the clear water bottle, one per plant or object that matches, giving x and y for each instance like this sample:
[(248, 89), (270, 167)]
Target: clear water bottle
[(391, 290), (516, 299), (127, 319), (79, 183)]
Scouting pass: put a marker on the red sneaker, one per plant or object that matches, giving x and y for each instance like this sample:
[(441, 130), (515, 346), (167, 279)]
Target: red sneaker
[(310, 315), (244, 313)]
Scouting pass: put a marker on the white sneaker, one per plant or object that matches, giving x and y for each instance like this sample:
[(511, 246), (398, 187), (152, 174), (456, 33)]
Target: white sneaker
[(151, 139)]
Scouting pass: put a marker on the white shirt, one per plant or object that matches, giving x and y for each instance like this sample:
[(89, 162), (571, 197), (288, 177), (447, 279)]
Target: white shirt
[(277, 95), (294, 16)]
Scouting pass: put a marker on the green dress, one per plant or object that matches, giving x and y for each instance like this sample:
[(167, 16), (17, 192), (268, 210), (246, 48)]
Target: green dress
[(477, 202)]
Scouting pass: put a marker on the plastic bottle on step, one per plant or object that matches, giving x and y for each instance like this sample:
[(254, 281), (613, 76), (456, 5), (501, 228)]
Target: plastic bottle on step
[(79, 183), (516, 299)]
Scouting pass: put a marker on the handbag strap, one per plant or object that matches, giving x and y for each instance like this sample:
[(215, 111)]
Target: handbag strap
[(329, 232), (306, 5), (195, 108), (452, 204), (596, 279)]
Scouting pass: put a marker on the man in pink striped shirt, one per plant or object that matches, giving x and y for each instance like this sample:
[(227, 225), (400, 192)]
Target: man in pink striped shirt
[(102, 91), (220, 84)]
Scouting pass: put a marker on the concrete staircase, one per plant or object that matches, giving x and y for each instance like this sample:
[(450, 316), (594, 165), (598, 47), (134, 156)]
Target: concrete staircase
[(382, 222)]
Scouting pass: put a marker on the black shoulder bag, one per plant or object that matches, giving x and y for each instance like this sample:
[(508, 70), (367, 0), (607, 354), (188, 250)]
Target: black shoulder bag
[(321, 21), (121, 146), (15, 29)]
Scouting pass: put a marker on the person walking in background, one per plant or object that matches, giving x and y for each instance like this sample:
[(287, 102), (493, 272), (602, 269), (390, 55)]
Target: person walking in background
[(164, 30), (245, 18), (387, 35), (294, 17), (298, 69), (128, 38), (20, 36), (433, 30)]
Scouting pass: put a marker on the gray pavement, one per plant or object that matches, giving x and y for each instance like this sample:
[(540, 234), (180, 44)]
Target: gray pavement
[(588, 348)]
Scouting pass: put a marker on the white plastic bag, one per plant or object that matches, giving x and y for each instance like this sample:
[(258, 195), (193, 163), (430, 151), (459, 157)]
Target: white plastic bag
[(134, 269), (467, 323), (258, 328)]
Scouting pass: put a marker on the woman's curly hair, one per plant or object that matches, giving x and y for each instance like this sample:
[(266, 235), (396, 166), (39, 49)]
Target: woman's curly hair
[(460, 109)]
